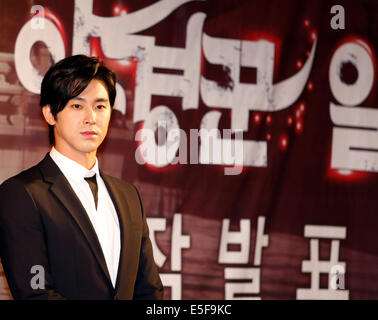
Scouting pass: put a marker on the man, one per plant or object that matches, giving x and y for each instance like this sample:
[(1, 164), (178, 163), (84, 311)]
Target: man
[(85, 232)]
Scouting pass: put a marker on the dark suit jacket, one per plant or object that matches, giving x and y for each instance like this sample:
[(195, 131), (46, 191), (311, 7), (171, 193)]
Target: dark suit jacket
[(42, 222)]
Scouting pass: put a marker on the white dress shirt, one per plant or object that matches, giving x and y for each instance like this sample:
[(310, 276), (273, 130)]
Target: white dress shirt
[(104, 219)]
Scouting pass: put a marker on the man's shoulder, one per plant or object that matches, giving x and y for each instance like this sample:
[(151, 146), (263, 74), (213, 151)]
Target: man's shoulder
[(18, 188), (24, 177)]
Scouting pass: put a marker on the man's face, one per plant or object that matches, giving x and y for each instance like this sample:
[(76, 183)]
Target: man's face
[(83, 124)]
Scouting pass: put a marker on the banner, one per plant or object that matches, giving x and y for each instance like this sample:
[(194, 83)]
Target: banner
[(249, 128)]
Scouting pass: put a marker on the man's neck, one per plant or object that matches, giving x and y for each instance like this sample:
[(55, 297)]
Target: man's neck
[(87, 160)]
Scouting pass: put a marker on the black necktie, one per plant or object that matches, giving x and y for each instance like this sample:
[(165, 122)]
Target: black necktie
[(93, 185)]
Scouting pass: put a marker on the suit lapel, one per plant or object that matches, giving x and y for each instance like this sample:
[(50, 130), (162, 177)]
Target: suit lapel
[(128, 245), (61, 188)]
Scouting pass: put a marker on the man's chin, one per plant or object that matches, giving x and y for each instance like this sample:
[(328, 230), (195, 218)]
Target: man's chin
[(89, 148)]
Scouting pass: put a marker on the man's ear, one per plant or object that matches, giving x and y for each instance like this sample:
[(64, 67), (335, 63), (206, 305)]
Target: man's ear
[(49, 117)]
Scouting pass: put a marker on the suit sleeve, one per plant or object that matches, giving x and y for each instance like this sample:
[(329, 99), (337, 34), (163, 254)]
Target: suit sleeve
[(22, 244), (148, 285)]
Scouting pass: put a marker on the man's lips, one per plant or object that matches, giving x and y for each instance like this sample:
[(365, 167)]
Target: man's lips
[(89, 133)]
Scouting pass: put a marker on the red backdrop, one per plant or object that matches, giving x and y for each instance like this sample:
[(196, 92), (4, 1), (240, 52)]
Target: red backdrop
[(297, 78)]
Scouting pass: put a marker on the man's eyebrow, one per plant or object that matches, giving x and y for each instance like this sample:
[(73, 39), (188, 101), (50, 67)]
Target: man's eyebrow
[(101, 100), (96, 100)]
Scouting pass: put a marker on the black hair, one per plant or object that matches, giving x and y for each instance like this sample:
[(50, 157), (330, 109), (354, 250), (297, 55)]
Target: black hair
[(68, 78)]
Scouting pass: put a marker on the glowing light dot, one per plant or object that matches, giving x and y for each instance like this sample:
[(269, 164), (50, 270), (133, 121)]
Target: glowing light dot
[(298, 113), (299, 64), (345, 172), (310, 86), (289, 121), (119, 10), (257, 118), (299, 127), (283, 142), (306, 23), (268, 119), (124, 62), (313, 35), (302, 107), (268, 137)]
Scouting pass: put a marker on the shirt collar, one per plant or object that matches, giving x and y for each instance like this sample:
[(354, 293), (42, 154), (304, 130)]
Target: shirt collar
[(71, 169)]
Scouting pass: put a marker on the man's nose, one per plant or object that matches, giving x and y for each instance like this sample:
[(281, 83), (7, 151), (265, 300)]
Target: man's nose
[(90, 116)]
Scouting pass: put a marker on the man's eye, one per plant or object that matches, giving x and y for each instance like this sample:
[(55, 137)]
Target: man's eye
[(76, 106), (100, 106)]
